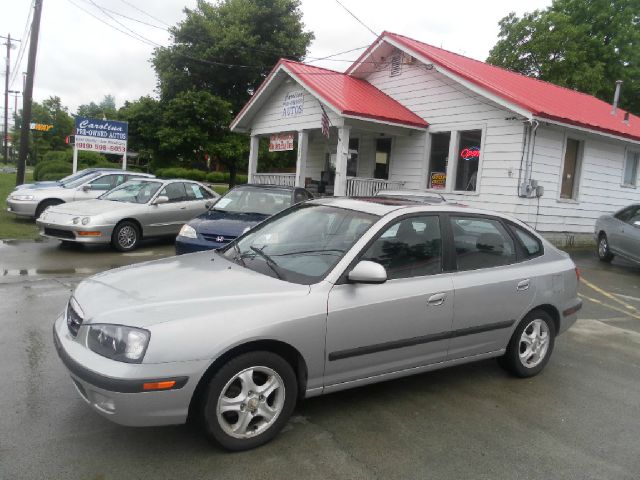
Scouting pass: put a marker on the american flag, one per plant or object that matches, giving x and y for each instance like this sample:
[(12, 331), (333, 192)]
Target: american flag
[(325, 122)]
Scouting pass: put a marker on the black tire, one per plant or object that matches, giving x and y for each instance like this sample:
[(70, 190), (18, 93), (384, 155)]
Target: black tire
[(125, 236), (282, 400), (603, 250), (43, 205), (512, 362)]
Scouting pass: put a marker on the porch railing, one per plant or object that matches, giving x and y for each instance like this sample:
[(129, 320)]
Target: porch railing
[(286, 179), (367, 187)]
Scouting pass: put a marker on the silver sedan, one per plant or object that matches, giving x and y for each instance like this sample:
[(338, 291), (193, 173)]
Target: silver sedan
[(137, 209), (619, 234), (328, 295)]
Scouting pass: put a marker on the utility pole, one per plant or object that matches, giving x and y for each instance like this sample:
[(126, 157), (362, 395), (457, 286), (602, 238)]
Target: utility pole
[(6, 97), (28, 93), (15, 94)]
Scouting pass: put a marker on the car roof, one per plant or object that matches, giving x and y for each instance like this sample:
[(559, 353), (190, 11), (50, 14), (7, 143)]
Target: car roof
[(382, 206), (267, 186)]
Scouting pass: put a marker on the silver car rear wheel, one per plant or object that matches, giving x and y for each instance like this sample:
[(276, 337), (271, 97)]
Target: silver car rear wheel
[(534, 343), (531, 344), (604, 252), (250, 402)]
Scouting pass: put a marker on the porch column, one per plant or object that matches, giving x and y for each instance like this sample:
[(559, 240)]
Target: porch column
[(342, 153), (301, 159), (253, 157)]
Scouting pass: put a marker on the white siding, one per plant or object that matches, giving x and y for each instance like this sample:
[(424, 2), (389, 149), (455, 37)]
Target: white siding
[(445, 104), (269, 119)]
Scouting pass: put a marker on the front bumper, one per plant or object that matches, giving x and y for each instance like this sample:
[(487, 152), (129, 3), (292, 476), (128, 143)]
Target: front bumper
[(71, 233), (114, 389), (22, 208), (191, 245)]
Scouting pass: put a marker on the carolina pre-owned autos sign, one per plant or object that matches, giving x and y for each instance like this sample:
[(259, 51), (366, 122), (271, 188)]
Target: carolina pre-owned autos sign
[(106, 136)]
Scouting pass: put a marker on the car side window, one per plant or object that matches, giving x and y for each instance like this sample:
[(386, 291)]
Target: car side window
[(532, 246), (634, 216), (106, 182), (175, 192), (300, 196), (481, 243), (196, 192), (411, 247)]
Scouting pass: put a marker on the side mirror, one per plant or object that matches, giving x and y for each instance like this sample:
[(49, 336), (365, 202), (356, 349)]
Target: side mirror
[(85, 188), (208, 204), (636, 223), (161, 199), (367, 272)]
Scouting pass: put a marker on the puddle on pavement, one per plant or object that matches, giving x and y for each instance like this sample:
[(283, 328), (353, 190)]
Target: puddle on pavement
[(32, 272), (21, 242)]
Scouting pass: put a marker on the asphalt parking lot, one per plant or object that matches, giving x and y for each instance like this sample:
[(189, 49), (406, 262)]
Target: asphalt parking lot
[(578, 419)]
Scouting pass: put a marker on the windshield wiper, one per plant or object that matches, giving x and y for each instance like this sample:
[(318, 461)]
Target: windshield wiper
[(321, 252), (238, 255), (272, 265)]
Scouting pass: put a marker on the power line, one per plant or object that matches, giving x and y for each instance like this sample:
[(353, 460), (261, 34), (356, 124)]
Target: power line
[(144, 13), (133, 19), (23, 45), (358, 20), (328, 57), (122, 24)]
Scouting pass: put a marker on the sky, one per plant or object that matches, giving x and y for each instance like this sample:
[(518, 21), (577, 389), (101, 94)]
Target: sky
[(81, 58)]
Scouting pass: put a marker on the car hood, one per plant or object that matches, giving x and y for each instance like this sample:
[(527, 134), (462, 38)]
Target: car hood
[(175, 288), (89, 207), (215, 222), (37, 185)]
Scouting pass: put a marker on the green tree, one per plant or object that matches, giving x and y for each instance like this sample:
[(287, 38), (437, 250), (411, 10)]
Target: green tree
[(105, 109), (253, 33), (583, 45), (145, 120)]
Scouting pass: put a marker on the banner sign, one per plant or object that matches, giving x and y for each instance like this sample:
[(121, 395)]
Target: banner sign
[(293, 104), (438, 180), (281, 142), (40, 127), (105, 136)]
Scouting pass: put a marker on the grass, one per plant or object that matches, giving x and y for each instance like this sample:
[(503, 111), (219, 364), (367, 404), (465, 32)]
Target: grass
[(12, 227), (221, 189)]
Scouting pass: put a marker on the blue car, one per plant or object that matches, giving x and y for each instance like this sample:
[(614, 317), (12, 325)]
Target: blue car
[(235, 213)]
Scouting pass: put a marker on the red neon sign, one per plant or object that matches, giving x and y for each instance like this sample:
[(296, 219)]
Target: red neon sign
[(473, 152)]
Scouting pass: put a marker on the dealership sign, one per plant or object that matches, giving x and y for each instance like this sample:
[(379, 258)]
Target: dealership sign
[(293, 104), (280, 142), (105, 136)]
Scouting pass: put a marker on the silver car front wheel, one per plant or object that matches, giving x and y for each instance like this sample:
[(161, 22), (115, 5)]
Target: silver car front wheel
[(126, 236), (249, 399), (604, 252)]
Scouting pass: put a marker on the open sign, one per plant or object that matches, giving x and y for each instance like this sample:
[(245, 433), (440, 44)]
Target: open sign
[(469, 153)]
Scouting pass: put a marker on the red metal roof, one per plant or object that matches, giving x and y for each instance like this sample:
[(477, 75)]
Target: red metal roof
[(543, 99), (352, 96)]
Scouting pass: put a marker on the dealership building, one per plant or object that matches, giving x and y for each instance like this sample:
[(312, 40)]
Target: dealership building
[(407, 115)]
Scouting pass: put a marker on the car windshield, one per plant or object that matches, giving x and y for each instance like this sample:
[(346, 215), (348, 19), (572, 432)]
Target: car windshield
[(303, 244), (254, 200), (76, 182), (137, 191), (74, 176)]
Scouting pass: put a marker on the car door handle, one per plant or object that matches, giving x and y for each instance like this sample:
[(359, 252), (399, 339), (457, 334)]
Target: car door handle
[(183, 208), (523, 285), (436, 299)]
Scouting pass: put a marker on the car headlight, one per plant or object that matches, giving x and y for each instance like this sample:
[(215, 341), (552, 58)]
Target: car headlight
[(22, 197), (188, 231), (117, 342), (85, 220)]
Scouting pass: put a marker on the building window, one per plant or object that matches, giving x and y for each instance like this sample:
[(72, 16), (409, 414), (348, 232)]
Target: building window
[(631, 168), (383, 155), (352, 159), (571, 169), (469, 145), (438, 160)]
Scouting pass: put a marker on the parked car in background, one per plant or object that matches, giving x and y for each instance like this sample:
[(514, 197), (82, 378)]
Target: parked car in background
[(235, 213), (32, 202), (67, 179), (619, 234), (140, 208), (327, 295)]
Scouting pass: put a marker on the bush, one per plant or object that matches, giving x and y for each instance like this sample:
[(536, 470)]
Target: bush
[(223, 177), (178, 172), (51, 168)]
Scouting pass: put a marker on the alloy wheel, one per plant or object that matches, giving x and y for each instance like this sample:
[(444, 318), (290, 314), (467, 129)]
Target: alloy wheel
[(603, 247), (250, 402), (127, 236), (534, 343)]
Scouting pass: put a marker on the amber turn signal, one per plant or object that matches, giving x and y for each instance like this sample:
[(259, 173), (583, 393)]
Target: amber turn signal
[(166, 385), (90, 234)]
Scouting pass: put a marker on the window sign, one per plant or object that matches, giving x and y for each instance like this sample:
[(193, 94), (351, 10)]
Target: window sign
[(293, 104), (438, 180), (468, 159), (281, 142)]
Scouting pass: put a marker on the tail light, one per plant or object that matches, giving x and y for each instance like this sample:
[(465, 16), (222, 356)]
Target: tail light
[(578, 274)]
